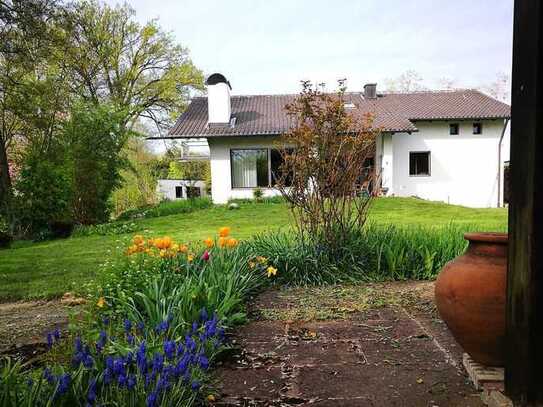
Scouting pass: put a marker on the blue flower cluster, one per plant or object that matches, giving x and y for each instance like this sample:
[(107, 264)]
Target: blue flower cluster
[(151, 371), (53, 337)]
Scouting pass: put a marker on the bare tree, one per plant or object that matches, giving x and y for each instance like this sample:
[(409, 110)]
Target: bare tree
[(409, 81), (500, 88)]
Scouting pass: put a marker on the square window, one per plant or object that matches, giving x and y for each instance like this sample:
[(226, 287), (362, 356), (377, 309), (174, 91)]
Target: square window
[(178, 192), (453, 129), (249, 168), (477, 128), (419, 163)]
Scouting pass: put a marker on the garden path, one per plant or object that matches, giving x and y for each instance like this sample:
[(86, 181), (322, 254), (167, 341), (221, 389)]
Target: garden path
[(371, 345)]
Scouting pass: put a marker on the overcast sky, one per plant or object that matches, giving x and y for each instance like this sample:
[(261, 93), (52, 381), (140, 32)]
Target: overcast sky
[(269, 46)]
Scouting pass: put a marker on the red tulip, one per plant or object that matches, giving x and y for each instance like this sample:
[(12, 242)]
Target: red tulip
[(205, 256)]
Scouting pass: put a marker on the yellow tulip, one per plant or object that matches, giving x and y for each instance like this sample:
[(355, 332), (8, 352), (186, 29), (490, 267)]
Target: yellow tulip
[(272, 271), (224, 231), (190, 258), (183, 248), (162, 253), (209, 242), (222, 242), (101, 302)]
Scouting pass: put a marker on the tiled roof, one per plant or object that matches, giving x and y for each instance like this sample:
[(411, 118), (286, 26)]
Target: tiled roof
[(265, 114)]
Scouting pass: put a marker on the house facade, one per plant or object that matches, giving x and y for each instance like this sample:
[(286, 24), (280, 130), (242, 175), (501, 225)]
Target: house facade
[(441, 145)]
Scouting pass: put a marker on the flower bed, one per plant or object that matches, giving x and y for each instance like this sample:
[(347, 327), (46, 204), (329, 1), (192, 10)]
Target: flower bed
[(154, 328)]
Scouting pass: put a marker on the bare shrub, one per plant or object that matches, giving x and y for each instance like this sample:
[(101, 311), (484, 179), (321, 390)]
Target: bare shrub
[(323, 159)]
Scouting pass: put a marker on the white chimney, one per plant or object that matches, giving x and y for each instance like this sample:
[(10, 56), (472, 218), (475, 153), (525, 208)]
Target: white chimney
[(218, 99)]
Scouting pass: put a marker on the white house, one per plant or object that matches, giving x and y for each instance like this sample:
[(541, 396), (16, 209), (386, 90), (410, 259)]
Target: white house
[(173, 189), (437, 145)]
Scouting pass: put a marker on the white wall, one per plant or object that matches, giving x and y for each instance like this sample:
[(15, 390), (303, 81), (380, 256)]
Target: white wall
[(464, 167), (166, 188), (221, 180), (384, 161)]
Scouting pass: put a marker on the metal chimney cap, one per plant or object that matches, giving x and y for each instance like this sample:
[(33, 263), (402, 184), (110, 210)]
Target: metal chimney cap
[(215, 78)]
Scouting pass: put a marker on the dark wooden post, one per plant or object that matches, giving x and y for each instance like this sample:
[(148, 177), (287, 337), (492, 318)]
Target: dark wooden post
[(524, 359)]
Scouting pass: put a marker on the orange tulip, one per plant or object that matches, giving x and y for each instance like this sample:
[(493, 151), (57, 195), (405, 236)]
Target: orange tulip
[(209, 242), (231, 243), (224, 231)]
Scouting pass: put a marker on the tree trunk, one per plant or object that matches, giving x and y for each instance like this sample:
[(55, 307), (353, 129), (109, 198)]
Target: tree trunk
[(5, 181)]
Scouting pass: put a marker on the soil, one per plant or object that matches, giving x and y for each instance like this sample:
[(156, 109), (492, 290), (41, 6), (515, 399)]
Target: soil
[(370, 345), (24, 326)]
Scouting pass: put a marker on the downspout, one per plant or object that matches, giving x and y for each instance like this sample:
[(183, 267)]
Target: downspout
[(500, 162)]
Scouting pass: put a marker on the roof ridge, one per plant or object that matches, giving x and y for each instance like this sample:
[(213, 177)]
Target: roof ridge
[(360, 92)]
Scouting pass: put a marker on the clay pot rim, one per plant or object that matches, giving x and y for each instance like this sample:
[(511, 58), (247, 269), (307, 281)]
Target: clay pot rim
[(487, 237)]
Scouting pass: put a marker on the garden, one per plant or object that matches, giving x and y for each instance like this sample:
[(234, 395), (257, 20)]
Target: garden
[(110, 296), (258, 297)]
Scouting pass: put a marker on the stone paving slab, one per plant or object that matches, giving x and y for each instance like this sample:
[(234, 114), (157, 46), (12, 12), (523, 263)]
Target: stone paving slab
[(385, 357)]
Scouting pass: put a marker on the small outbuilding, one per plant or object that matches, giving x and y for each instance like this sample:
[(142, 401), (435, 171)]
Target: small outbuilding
[(174, 189)]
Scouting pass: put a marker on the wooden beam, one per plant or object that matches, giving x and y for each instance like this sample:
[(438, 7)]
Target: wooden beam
[(524, 358)]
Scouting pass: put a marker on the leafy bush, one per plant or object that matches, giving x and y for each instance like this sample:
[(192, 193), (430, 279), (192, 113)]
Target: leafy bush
[(373, 253), (5, 235), (258, 194), (43, 195), (105, 229), (166, 208)]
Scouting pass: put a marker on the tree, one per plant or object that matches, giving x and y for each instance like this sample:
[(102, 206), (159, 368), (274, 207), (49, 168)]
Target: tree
[(323, 156), (137, 68), (139, 178), (500, 88), (27, 34), (447, 83), (95, 138), (409, 81)]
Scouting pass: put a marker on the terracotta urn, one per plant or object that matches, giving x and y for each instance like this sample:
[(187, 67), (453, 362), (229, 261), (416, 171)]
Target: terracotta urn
[(470, 297)]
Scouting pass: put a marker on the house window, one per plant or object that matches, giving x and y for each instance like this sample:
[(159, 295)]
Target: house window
[(419, 163), (276, 161), (178, 192), (453, 129), (193, 192), (249, 168), (477, 128)]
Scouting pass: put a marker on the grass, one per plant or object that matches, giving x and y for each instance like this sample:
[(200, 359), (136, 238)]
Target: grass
[(48, 269)]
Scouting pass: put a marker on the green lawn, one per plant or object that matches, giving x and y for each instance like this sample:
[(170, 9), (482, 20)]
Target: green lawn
[(48, 269)]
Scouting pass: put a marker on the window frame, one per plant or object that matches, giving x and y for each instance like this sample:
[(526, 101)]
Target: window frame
[(177, 188), (480, 124), (249, 149), (270, 184), (457, 129), (429, 155)]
